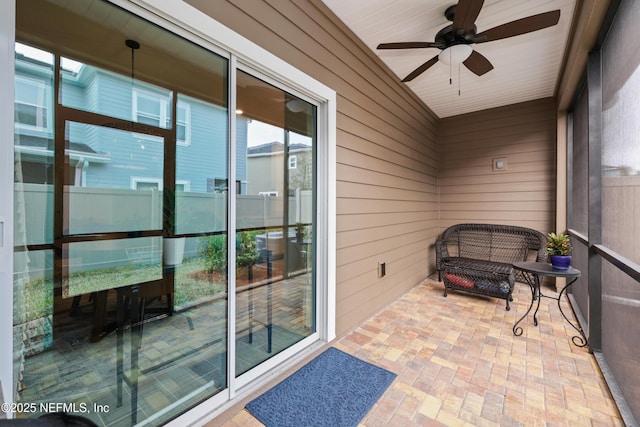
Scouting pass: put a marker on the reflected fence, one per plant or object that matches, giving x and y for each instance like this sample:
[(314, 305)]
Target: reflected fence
[(105, 264), (95, 210)]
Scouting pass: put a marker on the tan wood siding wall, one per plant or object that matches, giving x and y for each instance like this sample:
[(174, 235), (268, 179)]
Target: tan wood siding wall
[(524, 194), (386, 150)]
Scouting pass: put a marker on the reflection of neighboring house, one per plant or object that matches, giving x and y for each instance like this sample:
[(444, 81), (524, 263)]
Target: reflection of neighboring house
[(37, 160), (93, 151), (266, 160)]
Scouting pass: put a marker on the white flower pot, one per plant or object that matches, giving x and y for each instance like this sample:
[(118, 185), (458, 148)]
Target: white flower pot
[(173, 250)]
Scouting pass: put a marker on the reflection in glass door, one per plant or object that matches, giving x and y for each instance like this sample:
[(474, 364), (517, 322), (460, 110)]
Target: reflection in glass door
[(275, 292), (121, 210), (122, 189)]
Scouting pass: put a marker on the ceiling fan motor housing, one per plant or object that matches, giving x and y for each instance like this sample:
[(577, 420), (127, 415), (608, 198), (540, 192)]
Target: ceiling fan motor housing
[(447, 37)]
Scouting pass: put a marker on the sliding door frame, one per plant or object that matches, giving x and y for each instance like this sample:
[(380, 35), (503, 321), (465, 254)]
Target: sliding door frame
[(191, 24), (7, 77)]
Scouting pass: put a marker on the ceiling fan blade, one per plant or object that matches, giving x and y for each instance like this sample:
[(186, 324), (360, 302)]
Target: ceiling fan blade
[(520, 26), (421, 69), (478, 64), (407, 45), (466, 13)]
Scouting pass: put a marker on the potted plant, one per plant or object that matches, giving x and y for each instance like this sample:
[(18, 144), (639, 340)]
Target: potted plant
[(559, 250), (300, 228)]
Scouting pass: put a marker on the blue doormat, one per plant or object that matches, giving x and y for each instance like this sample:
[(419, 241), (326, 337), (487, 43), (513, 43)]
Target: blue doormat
[(335, 390)]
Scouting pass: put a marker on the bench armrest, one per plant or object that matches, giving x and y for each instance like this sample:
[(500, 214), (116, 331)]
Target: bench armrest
[(542, 255), (442, 253)]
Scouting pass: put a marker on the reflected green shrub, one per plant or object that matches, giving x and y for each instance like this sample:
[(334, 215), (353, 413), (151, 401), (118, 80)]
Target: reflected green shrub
[(246, 253), (214, 250)]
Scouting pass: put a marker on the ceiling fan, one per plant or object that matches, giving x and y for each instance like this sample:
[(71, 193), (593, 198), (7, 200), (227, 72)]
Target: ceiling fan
[(455, 40)]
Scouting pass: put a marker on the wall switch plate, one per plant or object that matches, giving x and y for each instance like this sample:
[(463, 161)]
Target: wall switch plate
[(500, 164)]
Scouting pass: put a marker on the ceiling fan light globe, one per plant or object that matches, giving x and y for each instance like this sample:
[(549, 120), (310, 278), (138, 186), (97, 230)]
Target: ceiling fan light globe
[(296, 105), (455, 54)]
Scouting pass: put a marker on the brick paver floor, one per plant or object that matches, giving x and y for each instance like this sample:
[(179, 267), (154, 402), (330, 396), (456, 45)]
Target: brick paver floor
[(459, 364)]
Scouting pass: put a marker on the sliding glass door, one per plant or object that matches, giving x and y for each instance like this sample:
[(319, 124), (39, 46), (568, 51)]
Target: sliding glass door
[(275, 293), (121, 157), (159, 254)]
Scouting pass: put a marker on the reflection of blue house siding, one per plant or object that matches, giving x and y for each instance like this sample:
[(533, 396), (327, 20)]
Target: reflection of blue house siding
[(241, 152), (206, 156), (131, 156), (114, 96), (72, 93), (92, 88)]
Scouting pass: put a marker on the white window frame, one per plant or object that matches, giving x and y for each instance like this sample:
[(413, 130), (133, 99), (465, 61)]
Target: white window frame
[(163, 102), (7, 106), (135, 180), (186, 123), (186, 184), (293, 161), (164, 120), (40, 104)]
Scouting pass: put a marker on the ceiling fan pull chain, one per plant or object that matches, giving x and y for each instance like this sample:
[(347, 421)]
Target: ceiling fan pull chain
[(458, 79), (450, 68)]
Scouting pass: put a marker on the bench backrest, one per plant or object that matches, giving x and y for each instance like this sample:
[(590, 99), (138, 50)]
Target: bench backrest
[(491, 242)]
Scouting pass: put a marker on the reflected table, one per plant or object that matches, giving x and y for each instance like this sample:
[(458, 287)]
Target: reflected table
[(533, 273)]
